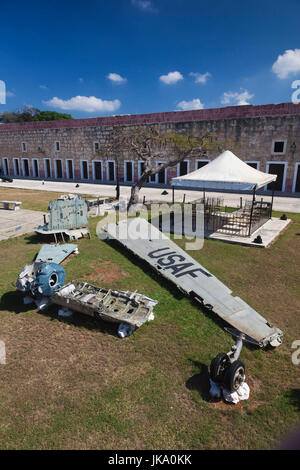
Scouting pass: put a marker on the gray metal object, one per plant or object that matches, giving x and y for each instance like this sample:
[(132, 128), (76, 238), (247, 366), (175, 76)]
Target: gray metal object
[(131, 308), (192, 278), (236, 349), (66, 214), (56, 253)]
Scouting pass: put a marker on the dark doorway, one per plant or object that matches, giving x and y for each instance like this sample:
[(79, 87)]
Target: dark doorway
[(111, 171), (183, 168), (141, 168), (47, 168), (59, 173), (129, 171), (16, 168), (36, 168), (161, 175), (84, 170), (297, 185), (276, 169), (25, 167), (97, 170), (70, 169), (6, 169)]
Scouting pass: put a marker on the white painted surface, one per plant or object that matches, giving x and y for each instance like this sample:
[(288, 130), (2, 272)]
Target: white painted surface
[(227, 171)]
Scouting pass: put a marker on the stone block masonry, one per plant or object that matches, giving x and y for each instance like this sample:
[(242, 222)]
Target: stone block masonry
[(268, 136)]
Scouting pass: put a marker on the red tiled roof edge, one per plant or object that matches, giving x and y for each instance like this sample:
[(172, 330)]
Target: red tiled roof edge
[(231, 112)]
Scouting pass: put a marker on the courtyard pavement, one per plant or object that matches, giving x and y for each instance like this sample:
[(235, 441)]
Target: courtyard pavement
[(16, 223), (281, 203)]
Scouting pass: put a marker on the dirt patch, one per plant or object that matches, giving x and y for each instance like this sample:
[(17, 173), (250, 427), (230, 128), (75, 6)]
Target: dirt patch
[(222, 404), (107, 272), (65, 261), (255, 386)]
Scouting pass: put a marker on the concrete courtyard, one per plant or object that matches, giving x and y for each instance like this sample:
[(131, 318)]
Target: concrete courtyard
[(16, 223)]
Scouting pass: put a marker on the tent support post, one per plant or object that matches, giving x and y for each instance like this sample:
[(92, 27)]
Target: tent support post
[(173, 194), (251, 213), (272, 200)]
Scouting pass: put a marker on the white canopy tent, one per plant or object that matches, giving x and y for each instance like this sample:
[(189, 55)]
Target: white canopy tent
[(227, 172)]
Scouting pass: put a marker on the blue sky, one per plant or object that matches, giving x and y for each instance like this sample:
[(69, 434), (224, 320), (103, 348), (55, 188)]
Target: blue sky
[(98, 57)]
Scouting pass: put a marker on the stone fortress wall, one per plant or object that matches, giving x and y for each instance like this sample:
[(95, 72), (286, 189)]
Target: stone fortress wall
[(266, 136)]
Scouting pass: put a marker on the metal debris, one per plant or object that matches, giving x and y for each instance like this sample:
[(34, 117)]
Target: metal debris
[(67, 214), (131, 308), (56, 253)]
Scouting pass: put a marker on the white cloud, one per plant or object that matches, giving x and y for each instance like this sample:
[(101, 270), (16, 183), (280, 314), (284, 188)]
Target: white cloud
[(172, 77), (44, 87), (89, 104), (5, 94), (116, 78), (287, 63), (236, 98), (200, 77), (145, 5), (189, 105)]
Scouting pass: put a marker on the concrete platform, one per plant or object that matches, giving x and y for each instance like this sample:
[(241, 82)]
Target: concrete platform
[(269, 233), (16, 223)]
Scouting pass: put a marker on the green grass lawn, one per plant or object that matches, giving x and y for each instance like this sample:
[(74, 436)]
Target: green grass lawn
[(31, 199), (75, 384)]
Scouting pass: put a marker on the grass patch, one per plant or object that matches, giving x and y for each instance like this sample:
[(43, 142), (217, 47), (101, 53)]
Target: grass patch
[(31, 199), (77, 385)]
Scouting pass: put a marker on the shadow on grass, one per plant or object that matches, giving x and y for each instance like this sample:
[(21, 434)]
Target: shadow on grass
[(14, 302), (37, 239), (200, 381), (293, 397), (84, 321)]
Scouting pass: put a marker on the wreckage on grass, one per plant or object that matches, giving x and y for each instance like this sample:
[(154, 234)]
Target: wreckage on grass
[(68, 215), (42, 282), (173, 263), (129, 309), (39, 279)]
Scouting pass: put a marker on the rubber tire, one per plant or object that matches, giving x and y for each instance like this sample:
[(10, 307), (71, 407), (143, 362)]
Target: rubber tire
[(230, 380), (215, 374)]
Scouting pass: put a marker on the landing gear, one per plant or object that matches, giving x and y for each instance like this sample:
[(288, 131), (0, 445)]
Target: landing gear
[(225, 369), (218, 366), (234, 376)]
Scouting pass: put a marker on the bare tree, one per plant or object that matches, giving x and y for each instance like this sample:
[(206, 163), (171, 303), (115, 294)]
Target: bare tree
[(150, 144)]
